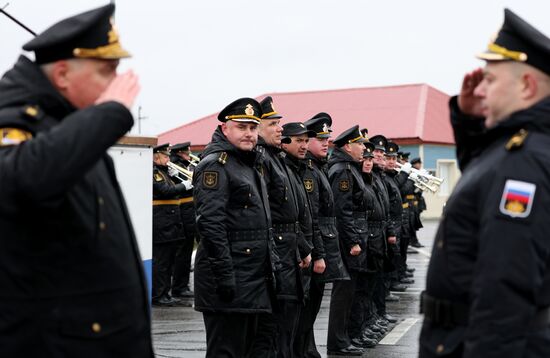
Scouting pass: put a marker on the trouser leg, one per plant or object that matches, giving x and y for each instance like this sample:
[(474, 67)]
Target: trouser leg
[(340, 309), (163, 261), (304, 342), (227, 334), (287, 324), (182, 265)]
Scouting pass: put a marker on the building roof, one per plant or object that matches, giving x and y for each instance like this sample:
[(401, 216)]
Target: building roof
[(416, 113)]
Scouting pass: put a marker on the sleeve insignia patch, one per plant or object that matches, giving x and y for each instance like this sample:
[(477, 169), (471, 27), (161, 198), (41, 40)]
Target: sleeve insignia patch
[(517, 198), (13, 136), (308, 183), (158, 177), (343, 185), (210, 180)]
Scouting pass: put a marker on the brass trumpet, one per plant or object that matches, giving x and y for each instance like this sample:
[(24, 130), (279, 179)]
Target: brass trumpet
[(422, 179), (187, 174), (194, 159)]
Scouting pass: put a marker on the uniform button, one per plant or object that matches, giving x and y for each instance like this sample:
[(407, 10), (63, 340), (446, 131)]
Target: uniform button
[(249, 195), (100, 200), (247, 251), (440, 348), (439, 244), (102, 225), (280, 237), (246, 206), (96, 327)]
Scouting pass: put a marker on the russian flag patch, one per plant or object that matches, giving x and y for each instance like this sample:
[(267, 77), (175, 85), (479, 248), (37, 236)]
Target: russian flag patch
[(517, 198)]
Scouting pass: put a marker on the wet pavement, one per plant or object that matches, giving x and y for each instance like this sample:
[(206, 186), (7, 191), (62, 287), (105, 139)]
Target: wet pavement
[(178, 332)]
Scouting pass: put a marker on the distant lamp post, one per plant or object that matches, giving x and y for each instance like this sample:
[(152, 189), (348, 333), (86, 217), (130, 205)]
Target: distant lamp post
[(140, 118)]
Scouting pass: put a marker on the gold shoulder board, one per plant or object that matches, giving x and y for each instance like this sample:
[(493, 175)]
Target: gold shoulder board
[(13, 136), (516, 141)]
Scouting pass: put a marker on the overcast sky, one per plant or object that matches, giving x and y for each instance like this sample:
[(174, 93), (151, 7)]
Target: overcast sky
[(194, 57)]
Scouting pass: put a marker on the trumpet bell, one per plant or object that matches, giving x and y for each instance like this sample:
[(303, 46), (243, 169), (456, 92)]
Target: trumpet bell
[(187, 174)]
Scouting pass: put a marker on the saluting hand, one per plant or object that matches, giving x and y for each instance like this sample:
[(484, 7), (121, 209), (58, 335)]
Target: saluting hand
[(123, 88), (468, 102)]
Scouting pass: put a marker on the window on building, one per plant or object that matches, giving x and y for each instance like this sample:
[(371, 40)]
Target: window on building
[(447, 170)]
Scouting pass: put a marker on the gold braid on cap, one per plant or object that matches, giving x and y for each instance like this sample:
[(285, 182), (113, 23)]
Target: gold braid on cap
[(268, 114), (355, 139), (513, 55), (111, 51), (242, 116)]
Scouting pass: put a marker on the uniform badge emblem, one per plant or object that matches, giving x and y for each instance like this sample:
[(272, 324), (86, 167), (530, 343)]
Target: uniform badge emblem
[(210, 180), (343, 185), (517, 198), (308, 183), (158, 177), (249, 110)]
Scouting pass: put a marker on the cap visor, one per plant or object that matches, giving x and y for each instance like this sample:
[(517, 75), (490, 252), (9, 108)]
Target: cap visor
[(245, 120), (275, 116), (491, 56)]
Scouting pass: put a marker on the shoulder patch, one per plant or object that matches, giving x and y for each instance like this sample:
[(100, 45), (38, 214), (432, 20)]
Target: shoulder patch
[(308, 183), (158, 177), (343, 185), (13, 136), (516, 141), (517, 198), (210, 179)]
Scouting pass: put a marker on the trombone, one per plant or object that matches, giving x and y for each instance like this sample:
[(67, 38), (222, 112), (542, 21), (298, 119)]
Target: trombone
[(187, 174), (422, 179)]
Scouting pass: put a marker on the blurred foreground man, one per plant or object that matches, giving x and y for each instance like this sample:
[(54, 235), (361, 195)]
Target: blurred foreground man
[(488, 285), (70, 271), (233, 258)]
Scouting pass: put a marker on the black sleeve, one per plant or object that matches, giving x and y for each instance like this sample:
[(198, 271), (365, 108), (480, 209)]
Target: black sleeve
[(305, 244), (318, 251), (467, 130), (393, 197), (165, 190), (342, 187), (401, 179), (42, 169), (210, 208)]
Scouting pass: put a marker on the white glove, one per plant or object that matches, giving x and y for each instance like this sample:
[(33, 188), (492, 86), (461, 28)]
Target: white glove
[(187, 184), (414, 177), (406, 168), (172, 172)]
